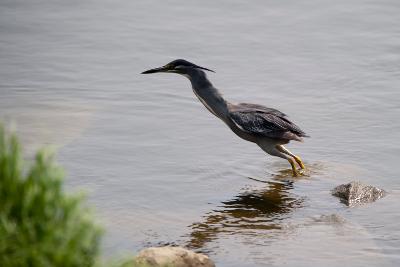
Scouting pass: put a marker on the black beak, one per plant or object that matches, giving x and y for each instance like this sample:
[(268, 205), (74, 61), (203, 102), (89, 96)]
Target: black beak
[(166, 69), (160, 69)]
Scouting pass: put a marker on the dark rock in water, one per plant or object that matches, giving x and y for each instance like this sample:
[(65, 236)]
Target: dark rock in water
[(355, 193), (332, 219)]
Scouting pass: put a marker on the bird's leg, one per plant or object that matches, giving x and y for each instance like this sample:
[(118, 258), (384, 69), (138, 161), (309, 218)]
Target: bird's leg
[(279, 153), (300, 162), (283, 149), (294, 170), (275, 150)]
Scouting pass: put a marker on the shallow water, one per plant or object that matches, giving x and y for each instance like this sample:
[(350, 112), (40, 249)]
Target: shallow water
[(160, 169)]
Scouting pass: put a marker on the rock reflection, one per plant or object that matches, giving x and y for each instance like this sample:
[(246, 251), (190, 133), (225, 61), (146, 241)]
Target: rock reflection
[(247, 213)]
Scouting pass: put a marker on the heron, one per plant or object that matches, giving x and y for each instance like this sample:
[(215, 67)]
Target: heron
[(267, 127)]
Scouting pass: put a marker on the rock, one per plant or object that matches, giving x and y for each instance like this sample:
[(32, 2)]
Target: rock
[(173, 256), (355, 193), (332, 219)]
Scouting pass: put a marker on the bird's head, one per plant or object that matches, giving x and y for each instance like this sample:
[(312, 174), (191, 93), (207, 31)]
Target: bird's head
[(179, 66)]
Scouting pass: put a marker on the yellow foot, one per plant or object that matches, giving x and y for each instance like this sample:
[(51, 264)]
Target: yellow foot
[(303, 172), (296, 173), (294, 170), (300, 162)]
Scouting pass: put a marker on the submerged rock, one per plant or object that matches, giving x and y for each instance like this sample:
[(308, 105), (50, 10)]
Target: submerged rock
[(173, 256), (355, 193), (332, 219)]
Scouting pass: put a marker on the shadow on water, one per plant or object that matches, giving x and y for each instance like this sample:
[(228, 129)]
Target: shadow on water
[(248, 213)]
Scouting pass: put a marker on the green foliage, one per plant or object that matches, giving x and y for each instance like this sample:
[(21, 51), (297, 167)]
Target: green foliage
[(40, 225)]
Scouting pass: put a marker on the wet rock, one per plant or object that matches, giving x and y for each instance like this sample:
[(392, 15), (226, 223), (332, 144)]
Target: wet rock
[(355, 193), (332, 219), (173, 256)]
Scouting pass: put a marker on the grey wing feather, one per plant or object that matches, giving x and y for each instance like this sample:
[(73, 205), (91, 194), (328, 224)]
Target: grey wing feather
[(256, 107), (269, 122)]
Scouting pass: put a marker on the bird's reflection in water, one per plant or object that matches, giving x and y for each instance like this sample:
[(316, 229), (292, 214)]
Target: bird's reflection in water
[(248, 213)]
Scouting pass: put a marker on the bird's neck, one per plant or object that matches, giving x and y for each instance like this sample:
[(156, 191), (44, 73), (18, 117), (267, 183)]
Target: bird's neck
[(208, 95)]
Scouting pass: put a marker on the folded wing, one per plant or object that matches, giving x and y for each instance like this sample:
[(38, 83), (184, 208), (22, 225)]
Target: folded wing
[(264, 121)]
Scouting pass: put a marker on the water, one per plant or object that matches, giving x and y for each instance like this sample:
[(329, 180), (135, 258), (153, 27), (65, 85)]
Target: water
[(161, 170)]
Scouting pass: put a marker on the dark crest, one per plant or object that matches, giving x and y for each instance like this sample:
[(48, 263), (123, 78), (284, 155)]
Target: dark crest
[(177, 66), (184, 63)]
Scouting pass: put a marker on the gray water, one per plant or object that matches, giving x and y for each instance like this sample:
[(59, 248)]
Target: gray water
[(160, 169)]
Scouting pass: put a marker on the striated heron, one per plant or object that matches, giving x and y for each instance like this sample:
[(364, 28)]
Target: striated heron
[(269, 128)]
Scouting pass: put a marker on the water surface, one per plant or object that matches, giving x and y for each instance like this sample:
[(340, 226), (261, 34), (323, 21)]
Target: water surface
[(160, 169)]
